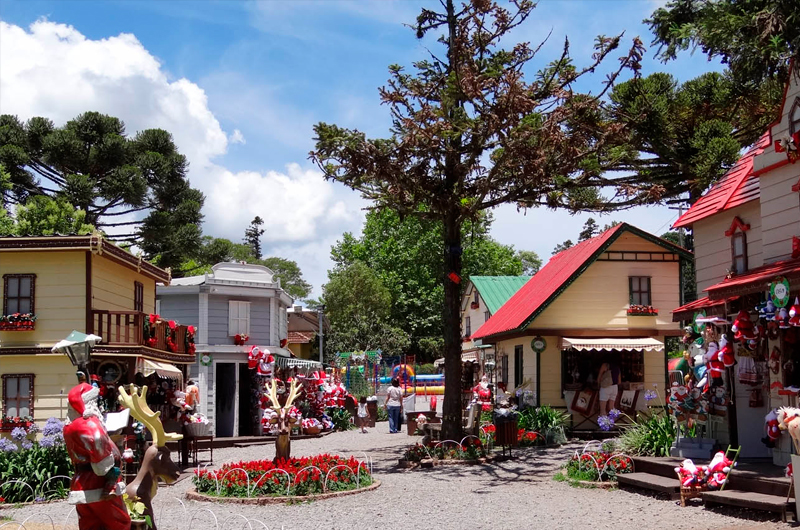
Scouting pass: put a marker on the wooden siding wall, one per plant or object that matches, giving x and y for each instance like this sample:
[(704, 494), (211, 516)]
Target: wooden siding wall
[(712, 247), (60, 295), (218, 320), (183, 308), (599, 298), (55, 376), (780, 206), (476, 317), (506, 347), (112, 286)]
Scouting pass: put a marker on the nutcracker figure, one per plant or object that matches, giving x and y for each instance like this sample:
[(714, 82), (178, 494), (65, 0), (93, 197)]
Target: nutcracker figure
[(95, 488)]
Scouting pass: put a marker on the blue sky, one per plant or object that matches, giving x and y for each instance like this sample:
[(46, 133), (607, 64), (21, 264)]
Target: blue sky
[(241, 83)]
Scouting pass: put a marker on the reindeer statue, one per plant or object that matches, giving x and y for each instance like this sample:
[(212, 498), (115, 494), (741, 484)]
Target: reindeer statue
[(283, 419), (156, 461)]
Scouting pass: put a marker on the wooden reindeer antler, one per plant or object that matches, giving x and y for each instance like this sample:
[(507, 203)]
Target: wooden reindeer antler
[(136, 402), (292, 393), (273, 395)]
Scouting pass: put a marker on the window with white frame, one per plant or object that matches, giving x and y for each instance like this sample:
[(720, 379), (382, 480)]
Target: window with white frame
[(17, 395), (238, 318)]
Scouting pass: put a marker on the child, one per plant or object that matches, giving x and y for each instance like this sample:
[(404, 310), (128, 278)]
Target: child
[(362, 413)]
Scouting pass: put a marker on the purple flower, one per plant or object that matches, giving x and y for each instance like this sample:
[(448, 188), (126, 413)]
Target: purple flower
[(614, 414), (53, 426), (7, 445), (605, 423), (48, 441), (650, 395), (27, 444), (33, 429), (39, 499), (19, 433)]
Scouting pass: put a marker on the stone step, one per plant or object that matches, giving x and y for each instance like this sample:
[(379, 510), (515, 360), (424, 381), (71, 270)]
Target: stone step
[(751, 500), (651, 482)]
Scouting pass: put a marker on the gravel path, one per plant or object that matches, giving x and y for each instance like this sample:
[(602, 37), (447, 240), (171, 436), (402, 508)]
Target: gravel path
[(518, 493)]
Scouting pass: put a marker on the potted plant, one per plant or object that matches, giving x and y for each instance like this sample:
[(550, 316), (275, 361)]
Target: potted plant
[(136, 508)]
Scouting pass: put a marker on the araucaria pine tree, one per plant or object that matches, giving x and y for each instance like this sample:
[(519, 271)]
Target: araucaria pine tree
[(469, 133), (252, 236)]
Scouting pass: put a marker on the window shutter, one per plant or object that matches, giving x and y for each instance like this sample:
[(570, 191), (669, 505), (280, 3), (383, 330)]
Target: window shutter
[(244, 316), (233, 318)]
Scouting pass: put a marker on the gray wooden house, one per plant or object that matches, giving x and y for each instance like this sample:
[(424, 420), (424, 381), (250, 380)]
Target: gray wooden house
[(234, 299)]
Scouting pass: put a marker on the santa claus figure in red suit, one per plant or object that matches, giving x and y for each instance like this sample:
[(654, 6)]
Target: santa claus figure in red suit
[(95, 488), (482, 394)]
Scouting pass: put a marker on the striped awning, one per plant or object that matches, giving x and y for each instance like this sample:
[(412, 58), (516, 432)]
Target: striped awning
[(292, 362), (467, 356), (645, 344), (170, 371)]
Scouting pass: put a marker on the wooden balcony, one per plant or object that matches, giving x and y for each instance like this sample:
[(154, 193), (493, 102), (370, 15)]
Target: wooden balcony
[(126, 328)]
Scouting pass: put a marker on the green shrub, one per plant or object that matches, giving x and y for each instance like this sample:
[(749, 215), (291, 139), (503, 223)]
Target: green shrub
[(650, 435), (342, 420), (383, 414)]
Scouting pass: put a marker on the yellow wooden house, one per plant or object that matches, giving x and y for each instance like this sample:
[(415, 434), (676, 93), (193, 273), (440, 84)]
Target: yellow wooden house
[(82, 283), (605, 299)]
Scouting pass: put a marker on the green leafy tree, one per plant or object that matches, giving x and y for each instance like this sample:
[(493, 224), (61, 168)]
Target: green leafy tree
[(92, 164), (43, 216), (290, 275), (6, 222), (400, 253), (531, 262), (685, 136), (358, 307), (252, 236), (756, 39), (469, 133), (590, 229)]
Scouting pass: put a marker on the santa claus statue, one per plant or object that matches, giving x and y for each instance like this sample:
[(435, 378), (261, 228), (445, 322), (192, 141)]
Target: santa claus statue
[(482, 394), (95, 488)]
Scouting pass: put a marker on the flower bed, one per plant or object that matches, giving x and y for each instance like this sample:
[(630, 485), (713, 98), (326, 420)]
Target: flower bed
[(470, 449), (297, 477), (32, 471), (525, 438), (598, 466)]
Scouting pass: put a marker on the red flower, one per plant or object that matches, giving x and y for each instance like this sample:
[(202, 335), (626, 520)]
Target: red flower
[(172, 324), (154, 318), (190, 330)]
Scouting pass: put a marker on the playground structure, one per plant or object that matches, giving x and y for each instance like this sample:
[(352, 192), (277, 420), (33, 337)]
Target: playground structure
[(366, 372)]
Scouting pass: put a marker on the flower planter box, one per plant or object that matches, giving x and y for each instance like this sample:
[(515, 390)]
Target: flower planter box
[(8, 427), (643, 314), (17, 326)]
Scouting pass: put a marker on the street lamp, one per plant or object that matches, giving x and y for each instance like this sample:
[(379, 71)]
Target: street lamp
[(488, 367), (78, 347)]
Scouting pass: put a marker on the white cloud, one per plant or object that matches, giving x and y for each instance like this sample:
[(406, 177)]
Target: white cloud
[(53, 70), (237, 137)]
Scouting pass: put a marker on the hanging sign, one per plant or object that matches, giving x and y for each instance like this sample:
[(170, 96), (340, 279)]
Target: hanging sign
[(779, 290), (698, 326), (205, 359), (538, 344)]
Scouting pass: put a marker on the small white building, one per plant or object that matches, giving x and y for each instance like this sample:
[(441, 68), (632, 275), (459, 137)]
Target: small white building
[(234, 299)]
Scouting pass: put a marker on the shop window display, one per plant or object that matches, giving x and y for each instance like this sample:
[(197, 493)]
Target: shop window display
[(579, 369)]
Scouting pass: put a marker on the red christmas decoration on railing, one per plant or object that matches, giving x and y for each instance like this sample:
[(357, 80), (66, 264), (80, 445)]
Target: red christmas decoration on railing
[(240, 339)]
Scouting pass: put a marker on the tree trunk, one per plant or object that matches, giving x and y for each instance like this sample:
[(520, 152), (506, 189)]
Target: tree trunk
[(451, 409)]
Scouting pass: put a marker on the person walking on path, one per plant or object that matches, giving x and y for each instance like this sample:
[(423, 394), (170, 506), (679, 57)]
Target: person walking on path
[(394, 402)]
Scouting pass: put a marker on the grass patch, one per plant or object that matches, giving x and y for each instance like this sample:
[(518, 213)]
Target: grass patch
[(560, 477)]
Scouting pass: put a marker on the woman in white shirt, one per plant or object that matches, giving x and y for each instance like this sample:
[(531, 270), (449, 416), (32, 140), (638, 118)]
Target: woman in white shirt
[(394, 402)]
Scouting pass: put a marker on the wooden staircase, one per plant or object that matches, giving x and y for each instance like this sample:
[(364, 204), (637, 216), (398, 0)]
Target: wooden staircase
[(757, 486)]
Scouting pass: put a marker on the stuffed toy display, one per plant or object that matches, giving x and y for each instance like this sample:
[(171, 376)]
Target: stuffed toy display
[(772, 428), (713, 476), (742, 327), (725, 354), (690, 474)]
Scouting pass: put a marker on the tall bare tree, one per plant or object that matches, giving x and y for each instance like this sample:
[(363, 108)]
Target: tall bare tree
[(469, 133)]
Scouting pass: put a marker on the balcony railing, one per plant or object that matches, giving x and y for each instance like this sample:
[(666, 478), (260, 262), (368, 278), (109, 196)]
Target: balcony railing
[(126, 328)]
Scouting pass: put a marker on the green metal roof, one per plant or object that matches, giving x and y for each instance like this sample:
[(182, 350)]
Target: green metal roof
[(496, 290)]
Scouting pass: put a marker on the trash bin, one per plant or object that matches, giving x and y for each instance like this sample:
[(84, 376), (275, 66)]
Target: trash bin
[(372, 410), (506, 428)]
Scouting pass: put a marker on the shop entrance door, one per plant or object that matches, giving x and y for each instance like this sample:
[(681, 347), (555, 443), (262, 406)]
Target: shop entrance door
[(750, 420), (225, 394), (245, 409)]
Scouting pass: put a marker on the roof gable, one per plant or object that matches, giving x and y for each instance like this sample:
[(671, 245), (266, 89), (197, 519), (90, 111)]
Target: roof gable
[(496, 290), (737, 186), (562, 269)]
